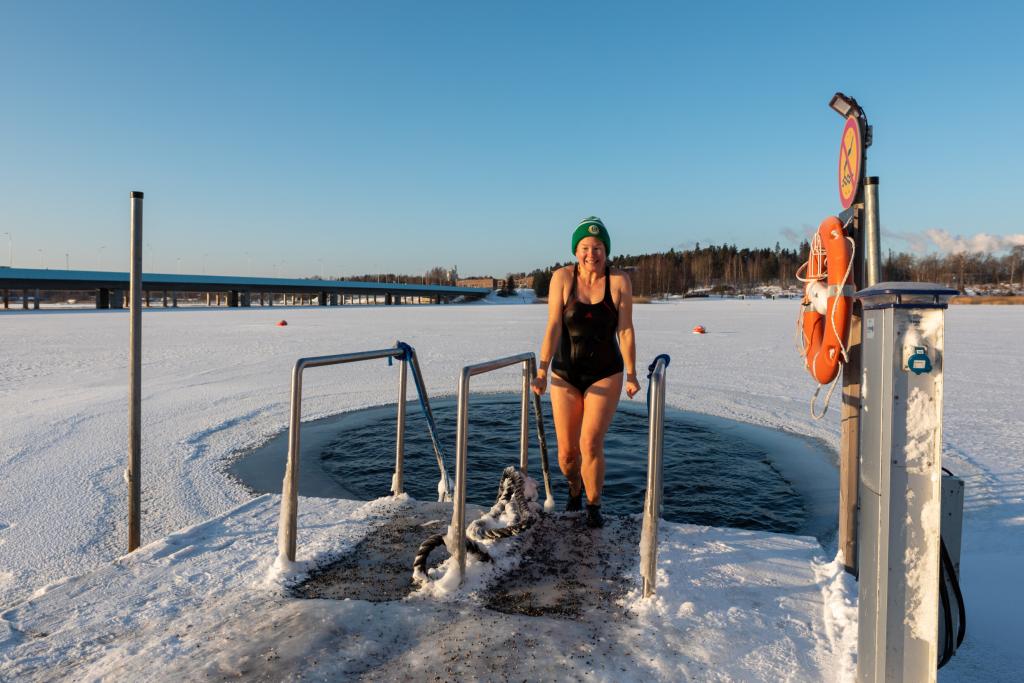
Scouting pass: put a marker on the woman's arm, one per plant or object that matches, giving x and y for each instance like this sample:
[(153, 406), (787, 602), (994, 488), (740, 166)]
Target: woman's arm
[(552, 330), (627, 340)]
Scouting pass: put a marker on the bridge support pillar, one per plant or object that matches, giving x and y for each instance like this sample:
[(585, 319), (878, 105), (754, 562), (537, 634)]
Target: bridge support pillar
[(174, 299), (233, 298), (145, 298), (35, 301), (102, 298), (116, 299), (7, 298), (323, 298)]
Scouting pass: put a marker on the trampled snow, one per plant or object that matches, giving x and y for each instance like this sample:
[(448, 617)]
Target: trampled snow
[(205, 599)]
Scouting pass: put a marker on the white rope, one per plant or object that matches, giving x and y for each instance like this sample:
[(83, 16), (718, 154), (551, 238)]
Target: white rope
[(828, 396)]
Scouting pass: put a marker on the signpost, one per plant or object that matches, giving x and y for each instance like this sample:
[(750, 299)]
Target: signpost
[(860, 213)]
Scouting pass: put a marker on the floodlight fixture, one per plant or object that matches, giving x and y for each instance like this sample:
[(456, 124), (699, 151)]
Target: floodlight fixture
[(845, 106)]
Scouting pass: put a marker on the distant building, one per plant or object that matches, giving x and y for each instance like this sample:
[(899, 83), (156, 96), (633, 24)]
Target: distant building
[(489, 282)]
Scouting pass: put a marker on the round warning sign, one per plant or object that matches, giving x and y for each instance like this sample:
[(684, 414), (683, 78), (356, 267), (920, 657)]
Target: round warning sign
[(849, 162)]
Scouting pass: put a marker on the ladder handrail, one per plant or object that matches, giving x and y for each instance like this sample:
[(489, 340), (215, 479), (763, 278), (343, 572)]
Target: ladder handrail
[(457, 532), (288, 523), (652, 499)]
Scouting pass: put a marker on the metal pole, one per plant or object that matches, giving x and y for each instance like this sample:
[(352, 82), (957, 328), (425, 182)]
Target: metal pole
[(396, 484), (461, 433), (288, 526), (134, 472), (524, 420), (549, 499), (652, 501), (872, 242)]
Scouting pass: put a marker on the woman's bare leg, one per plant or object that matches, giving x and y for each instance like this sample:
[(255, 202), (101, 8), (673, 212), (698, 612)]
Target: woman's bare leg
[(567, 409), (599, 403)]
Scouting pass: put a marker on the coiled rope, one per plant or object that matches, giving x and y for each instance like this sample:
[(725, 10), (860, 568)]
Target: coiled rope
[(511, 504)]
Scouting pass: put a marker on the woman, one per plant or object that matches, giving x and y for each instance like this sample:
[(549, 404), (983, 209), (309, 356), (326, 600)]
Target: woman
[(589, 305)]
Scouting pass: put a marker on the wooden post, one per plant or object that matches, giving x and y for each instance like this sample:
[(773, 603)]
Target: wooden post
[(134, 473), (849, 435)]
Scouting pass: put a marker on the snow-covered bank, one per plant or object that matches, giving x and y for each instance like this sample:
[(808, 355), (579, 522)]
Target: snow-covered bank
[(216, 381), (199, 604)]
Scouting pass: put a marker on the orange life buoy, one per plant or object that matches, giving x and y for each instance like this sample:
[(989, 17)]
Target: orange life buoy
[(826, 309)]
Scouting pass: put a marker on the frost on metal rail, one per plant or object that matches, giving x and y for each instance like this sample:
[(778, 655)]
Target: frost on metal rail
[(529, 363), (652, 501), (287, 527)]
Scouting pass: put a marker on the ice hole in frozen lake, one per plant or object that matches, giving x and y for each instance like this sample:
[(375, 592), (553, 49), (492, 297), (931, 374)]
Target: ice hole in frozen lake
[(717, 472)]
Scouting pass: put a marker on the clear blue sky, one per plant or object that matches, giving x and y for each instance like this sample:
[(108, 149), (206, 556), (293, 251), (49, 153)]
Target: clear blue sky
[(358, 137)]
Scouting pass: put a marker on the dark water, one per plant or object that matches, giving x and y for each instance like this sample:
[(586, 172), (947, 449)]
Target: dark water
[(709, 478)]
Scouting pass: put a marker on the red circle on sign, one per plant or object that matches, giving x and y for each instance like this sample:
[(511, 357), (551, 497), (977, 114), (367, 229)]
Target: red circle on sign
[(849, 162)]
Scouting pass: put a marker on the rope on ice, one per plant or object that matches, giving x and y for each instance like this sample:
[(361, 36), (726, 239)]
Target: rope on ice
[(520, 511)]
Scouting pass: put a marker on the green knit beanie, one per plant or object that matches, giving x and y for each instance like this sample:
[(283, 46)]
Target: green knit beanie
[(591, 227)]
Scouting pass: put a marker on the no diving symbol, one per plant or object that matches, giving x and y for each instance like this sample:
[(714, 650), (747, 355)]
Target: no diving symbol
[(849, 162)]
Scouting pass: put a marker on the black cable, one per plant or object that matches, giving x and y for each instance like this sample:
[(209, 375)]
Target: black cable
[(947, 563), (947, 615)]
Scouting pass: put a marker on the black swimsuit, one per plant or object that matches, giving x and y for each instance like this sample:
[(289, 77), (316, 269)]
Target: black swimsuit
[(588, 350)]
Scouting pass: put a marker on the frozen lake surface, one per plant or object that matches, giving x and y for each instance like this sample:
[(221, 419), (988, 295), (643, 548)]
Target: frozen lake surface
[(216, 383)]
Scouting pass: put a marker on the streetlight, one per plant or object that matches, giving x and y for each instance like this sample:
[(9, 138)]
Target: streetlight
[(40, 258), (10, 250), (846, 106), (99, 257), (179, 265)]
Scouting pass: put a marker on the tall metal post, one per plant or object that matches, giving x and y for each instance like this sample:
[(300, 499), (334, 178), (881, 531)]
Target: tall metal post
[(872, 245), (135, 382), (403, 380), (461, 444), (524, 421)]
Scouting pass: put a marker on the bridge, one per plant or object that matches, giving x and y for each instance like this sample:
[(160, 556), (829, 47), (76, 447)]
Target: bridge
[(111, 289)]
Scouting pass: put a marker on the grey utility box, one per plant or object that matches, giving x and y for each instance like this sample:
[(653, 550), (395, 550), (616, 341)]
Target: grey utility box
[(900, 473)]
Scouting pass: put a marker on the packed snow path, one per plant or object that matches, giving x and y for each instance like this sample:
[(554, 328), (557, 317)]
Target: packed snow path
[(205, 603)]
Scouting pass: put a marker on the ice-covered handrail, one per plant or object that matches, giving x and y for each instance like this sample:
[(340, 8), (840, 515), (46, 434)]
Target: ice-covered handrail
[(444, 487), (652, 500), (288, 524), (457, 533)]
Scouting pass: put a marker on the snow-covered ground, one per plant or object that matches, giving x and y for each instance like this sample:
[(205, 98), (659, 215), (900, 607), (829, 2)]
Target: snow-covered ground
[(216, 382)]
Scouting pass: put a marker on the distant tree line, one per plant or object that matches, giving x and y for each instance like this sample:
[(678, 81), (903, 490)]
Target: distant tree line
[(727, 268)]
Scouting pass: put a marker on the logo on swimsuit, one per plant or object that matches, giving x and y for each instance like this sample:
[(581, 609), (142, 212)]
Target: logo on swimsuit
[(594, 230)]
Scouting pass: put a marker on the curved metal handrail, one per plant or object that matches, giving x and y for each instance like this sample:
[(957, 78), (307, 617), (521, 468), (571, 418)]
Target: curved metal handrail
[(652, 500), (529, 363), (288, 523)]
